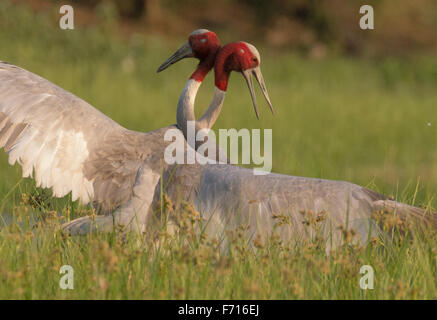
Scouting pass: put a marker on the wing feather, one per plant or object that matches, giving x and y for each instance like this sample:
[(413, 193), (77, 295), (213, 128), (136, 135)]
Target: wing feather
[(68, 144)]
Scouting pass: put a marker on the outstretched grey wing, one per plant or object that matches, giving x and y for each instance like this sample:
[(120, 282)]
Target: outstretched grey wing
[(67, 143)]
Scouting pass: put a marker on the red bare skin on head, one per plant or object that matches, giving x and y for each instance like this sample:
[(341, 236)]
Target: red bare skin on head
[(205, 47), (235, 56)]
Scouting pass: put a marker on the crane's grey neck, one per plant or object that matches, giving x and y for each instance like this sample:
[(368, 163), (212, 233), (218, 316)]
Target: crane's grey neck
[(185, 110)]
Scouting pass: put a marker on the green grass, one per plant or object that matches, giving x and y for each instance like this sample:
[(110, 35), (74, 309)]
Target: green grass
[(364, 121)]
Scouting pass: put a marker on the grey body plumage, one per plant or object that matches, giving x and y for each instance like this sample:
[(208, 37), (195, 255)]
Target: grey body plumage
[(73, 147)]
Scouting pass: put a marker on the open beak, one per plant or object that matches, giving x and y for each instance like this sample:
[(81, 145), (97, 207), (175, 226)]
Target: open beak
[(183, 52), (247, 74)]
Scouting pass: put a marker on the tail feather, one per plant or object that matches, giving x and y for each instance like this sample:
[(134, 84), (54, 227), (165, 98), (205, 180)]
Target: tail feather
[(417, 216)]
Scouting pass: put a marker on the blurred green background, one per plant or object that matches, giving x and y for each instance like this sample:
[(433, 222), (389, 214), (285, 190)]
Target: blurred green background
[(350, 104), (312, 27)]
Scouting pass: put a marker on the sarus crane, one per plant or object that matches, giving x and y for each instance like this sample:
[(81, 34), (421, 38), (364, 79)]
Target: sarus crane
[(70, 146), (228, 196)]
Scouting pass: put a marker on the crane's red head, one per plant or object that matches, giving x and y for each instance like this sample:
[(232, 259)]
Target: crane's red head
[(237, 56), (244, 58), (203, 45)]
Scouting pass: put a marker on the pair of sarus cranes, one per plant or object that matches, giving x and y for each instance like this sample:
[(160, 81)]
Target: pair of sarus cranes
[(69, 146)]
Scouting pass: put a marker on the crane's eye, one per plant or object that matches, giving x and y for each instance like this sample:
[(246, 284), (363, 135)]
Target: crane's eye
[(254, 59)]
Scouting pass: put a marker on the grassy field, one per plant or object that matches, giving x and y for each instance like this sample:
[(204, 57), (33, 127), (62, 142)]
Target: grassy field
[(371, 122)]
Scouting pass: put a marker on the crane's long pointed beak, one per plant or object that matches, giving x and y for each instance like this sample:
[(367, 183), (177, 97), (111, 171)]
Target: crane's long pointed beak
[(183, 52), (260, 79), (247, 74)]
